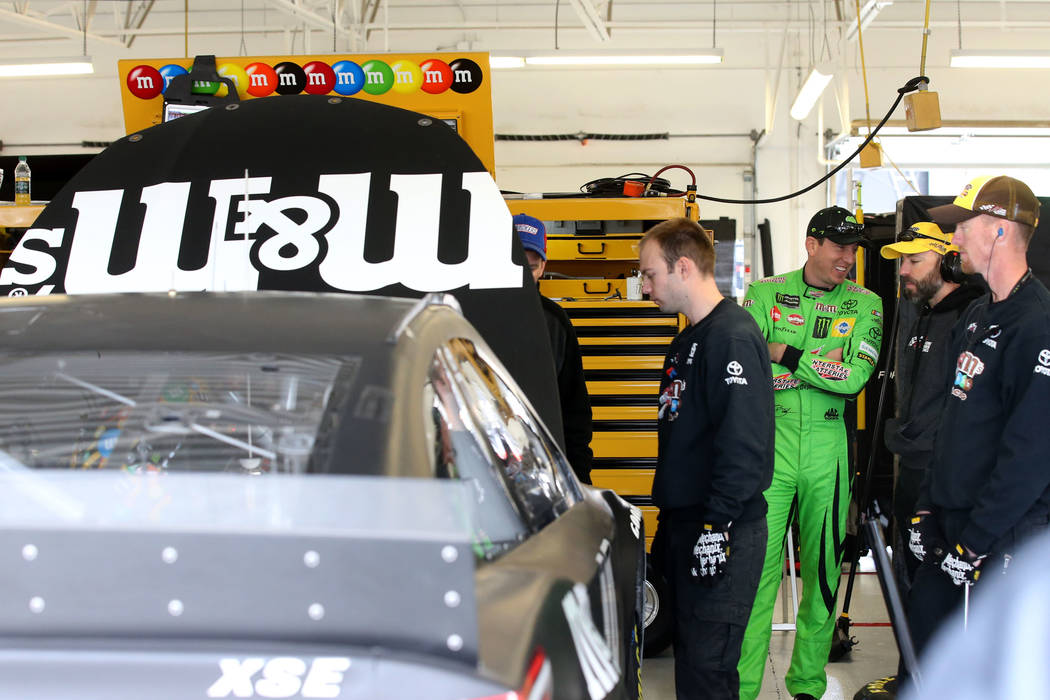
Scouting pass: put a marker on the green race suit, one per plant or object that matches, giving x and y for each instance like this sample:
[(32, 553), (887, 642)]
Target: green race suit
[(811, 470)]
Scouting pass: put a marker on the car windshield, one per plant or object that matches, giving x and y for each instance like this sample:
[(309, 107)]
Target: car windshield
[(160, 411)]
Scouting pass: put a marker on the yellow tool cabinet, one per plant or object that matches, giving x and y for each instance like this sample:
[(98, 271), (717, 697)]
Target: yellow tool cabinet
[(592, 248)]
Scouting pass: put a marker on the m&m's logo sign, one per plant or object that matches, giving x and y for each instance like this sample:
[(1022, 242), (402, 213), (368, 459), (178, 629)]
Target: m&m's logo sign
[(372, 77)]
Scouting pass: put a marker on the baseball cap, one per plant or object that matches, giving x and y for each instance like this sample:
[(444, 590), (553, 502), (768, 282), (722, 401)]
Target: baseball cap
[(838, 225), (919, 238), (532, 232), (999, 195)]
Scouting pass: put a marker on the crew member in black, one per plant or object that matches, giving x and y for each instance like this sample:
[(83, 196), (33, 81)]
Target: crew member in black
[(568, 362), (932, 281), (715, 459), (988, 486)]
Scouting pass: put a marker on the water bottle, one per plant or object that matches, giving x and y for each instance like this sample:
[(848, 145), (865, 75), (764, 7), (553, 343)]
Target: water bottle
[(22, 175)]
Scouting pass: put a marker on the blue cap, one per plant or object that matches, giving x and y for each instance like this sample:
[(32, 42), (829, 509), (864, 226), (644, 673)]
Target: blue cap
[(532, 232)]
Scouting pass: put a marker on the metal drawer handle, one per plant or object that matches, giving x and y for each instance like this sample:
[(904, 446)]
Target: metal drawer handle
[(600, 251), (588, 290)]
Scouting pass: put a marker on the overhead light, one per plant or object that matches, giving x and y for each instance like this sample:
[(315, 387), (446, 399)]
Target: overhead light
[(31, 67), (868, 13), (811, 90), (620, 58), (506, 61), (977, 58)]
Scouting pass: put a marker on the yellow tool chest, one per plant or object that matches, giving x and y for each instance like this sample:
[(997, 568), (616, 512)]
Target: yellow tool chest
[(592, 248)]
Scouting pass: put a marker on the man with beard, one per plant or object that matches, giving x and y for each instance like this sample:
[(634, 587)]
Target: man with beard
[(988, 488), (938, 292)]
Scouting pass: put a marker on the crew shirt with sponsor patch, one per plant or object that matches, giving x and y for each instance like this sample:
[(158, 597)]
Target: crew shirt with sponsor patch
[(715, 420), (990, 479)]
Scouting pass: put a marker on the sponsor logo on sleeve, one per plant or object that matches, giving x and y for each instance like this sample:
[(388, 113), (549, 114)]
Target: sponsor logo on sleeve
[(734, 370), (796, 320), (876, 313), (994, 331), (835, 371), (748, 303), (849, 306), (857, 290), (784, 381), (1044, 363), (812, 293), (867, 358), (831, 414), (875, 333), (789, 300), (826, 308), (842, 327), (869, 349), (822, 326), (773, 280), (692, 354), (774, 313), (967, 368)]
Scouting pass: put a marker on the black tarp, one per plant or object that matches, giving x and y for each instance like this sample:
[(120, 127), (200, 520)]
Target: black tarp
[(309, 193)]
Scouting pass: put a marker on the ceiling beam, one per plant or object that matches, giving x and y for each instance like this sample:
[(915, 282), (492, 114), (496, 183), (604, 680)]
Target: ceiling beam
[(593, 21), (43, 24)]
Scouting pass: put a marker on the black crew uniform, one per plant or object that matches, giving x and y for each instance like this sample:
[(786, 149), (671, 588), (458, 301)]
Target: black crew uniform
[(923, 351), (715, 459), (572, 389), (989, 484)]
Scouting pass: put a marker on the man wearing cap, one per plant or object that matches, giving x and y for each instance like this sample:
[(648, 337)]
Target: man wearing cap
[(931, 279), (568, 362), (824, 335), (988, 486)]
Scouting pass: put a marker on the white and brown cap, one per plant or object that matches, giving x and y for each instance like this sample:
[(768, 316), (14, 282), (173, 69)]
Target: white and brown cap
[(1000, 196)]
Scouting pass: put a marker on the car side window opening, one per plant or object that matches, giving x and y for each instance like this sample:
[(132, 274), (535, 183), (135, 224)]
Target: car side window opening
[(485, 433), (180, 411)]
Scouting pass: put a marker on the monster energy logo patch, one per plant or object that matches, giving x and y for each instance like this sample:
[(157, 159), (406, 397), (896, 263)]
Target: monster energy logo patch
[(789, 300), (821, 327)]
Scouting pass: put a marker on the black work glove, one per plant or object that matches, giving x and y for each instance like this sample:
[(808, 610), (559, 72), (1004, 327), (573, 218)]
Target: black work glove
[(710, 554), (961, 566), (924, 540)]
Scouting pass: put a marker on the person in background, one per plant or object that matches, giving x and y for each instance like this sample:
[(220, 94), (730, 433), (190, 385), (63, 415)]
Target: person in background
[(568, 362), (715, 457), (988, 486), (937, 293), (824, 334)]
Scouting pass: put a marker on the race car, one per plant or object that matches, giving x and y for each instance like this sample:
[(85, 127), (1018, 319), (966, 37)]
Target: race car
[(282, 494)]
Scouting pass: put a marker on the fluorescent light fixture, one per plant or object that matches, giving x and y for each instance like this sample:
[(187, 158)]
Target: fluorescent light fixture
[(978, 58), (32, 67), (620, 58), (868, 13), (506, 61), (810, 92)]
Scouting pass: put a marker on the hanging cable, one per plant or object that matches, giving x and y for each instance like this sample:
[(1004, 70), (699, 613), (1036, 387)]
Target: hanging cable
[(863, 67), (244, 46), (557, 8), (925, 36), (910, 86)]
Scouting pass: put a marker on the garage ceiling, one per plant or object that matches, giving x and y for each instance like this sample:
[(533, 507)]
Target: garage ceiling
[(47, 27)]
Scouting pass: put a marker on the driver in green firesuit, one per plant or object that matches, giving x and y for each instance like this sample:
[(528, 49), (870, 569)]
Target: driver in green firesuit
[(824, 334)]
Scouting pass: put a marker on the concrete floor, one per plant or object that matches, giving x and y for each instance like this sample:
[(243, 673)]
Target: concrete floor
[(874, 656)]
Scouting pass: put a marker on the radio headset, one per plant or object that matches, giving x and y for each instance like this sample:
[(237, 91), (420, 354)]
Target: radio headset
[(951, 267)]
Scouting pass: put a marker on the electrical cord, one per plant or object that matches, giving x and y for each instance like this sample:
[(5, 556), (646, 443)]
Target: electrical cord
[(910, 86), (613, 186)]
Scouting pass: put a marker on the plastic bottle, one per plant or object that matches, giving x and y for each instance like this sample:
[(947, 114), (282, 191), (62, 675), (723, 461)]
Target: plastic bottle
[(22, 175)]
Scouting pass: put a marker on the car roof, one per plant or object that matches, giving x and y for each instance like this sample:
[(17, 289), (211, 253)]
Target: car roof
[(255, 321)]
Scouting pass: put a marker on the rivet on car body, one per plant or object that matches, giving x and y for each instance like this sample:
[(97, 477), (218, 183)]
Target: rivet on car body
[(449, 553), (135, 138), (311, 559), (175, 607), (315, 611), (425, 122), (36, 604), (334, 100), (30, 552), (452, 599), (169, 555), (230, 108), (454, 642)]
